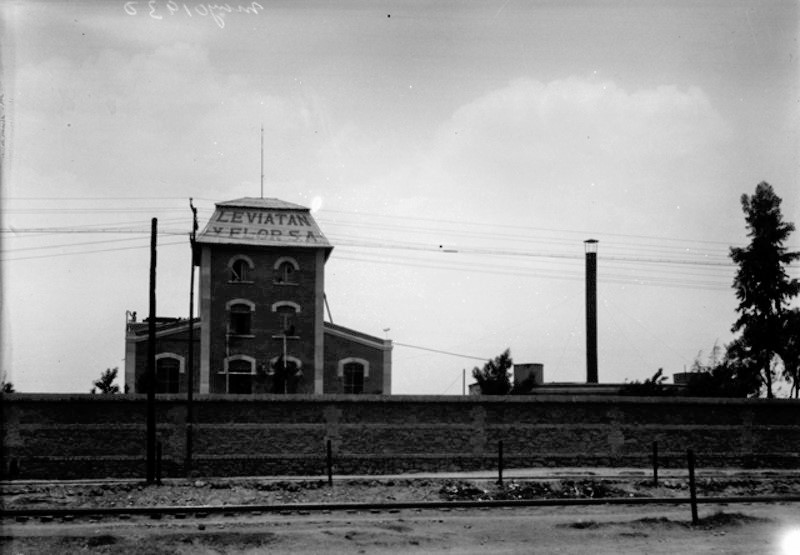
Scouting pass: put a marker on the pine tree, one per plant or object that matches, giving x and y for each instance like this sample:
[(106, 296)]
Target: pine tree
[(106, 382), (790, 349), (762, 285), (494, 377)]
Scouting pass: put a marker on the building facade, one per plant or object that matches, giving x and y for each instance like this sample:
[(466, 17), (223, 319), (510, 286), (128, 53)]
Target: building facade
[(261, 326)]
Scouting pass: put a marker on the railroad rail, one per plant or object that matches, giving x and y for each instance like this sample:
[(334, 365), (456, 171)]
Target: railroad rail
[(512, 474), (200, 511)]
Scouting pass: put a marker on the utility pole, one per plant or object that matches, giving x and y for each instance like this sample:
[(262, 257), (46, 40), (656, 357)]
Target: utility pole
[(151, 361), (190, 371), (591, 310)]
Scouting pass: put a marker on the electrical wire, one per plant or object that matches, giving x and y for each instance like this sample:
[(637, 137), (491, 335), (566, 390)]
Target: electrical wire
[(440, 351), (673, 268), (453, 383), (68, 245), (89, 252)]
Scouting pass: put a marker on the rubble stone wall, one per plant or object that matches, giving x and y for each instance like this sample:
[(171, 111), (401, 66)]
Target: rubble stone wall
[(56, 436)]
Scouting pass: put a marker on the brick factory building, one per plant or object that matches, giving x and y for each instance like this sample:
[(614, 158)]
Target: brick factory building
[(261, 325)]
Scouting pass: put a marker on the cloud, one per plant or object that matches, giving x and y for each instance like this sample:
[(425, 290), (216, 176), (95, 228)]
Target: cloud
[(572, 153), (570, 146), (166, 115), (578, 121)]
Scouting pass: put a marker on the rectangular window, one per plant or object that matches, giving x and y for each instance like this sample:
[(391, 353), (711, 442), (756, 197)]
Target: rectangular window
[(241, 384), (353, 378), (286, 321), (240, 377), (167, 375), (240, 319)]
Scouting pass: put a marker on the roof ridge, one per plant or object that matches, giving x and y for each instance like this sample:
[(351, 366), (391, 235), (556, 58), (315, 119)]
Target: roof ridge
[(272, 203)]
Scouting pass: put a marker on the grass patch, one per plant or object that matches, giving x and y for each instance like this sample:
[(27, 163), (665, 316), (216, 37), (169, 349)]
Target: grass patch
[(717, 520), (582, 525), (103, 539)]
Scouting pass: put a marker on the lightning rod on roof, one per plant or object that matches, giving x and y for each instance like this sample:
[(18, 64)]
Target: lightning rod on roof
[(262, 161)]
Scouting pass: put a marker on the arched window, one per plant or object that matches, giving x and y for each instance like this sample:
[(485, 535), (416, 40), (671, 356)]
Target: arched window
[(352, 371), (285, 375), (286, 269), (169, 367), (286, 323), (240, 370), (240, 316), (241, 269)]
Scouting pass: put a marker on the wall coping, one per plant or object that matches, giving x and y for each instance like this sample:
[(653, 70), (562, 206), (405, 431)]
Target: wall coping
[(373, 399)]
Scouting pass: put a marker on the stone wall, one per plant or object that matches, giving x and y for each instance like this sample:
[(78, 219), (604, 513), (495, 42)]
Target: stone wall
[(82, 436)]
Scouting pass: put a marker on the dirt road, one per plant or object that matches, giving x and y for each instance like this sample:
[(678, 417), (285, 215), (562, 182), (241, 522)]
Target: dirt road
[(744, 529)]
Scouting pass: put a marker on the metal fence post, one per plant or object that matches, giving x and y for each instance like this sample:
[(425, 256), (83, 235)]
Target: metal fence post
[(655, 464), (692, 489), (158, 462), (330, 464), (500, 462)]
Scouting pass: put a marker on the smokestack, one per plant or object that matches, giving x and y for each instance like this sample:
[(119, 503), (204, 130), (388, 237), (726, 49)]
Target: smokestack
[(591, 310)]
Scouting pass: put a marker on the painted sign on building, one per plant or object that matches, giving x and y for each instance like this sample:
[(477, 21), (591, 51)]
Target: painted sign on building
[(260, 222)]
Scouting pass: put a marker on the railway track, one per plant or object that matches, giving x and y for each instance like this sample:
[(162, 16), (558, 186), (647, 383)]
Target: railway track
[(665, 474), (201, 511)]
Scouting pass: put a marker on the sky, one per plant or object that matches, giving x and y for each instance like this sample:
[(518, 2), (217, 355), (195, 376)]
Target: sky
[(457, 154)]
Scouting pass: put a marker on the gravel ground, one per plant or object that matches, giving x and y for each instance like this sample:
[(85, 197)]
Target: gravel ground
[(268, 492), (600, 530), (733, 529)]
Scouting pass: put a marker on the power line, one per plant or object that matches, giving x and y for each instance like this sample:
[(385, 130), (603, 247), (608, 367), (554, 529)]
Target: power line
[(97, 198), (440, 352), (67, 245), (344, 241), (495, 252), (321, 217), (453, 383), (89, 251), (68, 230), (574, 276), (512, 226), (438, 232), (641, 325), (399, 246)]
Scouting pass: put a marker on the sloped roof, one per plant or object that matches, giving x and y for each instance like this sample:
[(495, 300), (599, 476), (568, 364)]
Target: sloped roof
[(263, 222), (358, 336), (263, 203)]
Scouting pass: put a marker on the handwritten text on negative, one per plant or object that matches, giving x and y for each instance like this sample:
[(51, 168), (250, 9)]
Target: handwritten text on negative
[(160, 9)]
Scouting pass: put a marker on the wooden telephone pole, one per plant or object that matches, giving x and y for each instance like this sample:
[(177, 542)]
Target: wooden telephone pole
[(151, 361), (190, 357)]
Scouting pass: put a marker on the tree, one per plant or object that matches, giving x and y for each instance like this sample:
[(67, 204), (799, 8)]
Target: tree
[(652, 386), (6, 387), (285, 376), (106, 382), (762, 285), (729, 377), (494, 378), (790, 349), (524, 386)]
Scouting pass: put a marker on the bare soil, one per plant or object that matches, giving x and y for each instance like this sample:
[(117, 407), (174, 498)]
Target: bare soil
[(268, 492), (740, 528), (573, 530)]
